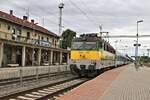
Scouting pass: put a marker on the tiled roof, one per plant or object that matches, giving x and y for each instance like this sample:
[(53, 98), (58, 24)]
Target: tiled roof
[(25, 23)]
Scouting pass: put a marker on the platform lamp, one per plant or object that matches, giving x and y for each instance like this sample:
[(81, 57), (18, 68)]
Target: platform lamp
[(137, 44)]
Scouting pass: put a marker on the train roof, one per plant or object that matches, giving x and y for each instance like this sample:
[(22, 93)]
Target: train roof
[(92, 37), (88, 37)]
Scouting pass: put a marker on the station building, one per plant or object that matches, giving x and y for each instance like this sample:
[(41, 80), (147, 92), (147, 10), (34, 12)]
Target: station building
[(24, 43)]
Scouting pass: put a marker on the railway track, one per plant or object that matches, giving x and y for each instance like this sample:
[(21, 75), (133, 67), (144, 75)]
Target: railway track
[(6, 85), (33, 83), (48, 92)]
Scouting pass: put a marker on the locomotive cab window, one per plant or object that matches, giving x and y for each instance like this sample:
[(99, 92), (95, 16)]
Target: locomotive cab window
[(99, 45), (84, 45)]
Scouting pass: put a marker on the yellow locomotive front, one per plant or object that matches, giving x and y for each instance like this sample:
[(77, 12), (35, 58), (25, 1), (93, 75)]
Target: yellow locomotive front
[(87, 56), (83, 57)]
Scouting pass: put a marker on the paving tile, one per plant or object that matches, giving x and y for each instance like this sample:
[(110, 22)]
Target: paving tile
[(93, 89), (130, 85)]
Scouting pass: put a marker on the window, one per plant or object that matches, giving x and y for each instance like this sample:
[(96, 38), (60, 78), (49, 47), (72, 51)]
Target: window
[(84, 45), (14, 36), (47, 39), (35, 34), (13, 30), (55, 43), (42, 38), (28, 35), (38, 37), (99, 44), (8, 27), (20, 32), (53, 40)]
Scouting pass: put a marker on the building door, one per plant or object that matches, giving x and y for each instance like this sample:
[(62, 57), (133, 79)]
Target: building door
[(19, 56)]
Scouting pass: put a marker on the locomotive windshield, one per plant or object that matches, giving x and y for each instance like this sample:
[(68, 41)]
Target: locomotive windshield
[(84, 46)]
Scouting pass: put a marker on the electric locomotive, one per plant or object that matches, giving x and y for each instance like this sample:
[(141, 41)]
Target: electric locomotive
[(90, 54)]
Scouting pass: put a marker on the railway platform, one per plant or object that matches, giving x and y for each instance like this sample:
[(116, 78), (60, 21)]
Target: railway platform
[(123, 83)]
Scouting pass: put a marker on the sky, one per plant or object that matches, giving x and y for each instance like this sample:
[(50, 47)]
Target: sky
[(118, 17)]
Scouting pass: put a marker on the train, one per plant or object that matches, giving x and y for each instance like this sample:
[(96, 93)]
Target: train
[(91, 55)]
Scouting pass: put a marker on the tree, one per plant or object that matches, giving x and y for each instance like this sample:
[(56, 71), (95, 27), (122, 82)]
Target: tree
[(67, 37)]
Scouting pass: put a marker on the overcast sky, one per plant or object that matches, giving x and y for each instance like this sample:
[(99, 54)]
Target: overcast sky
[(82, 16)]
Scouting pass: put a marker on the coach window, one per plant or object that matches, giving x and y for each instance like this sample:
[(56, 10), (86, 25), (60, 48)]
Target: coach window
[(108, 48), (105, 46), (111, 50)]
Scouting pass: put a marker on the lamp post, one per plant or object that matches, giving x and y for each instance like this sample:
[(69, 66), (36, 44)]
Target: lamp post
[(136, 49)]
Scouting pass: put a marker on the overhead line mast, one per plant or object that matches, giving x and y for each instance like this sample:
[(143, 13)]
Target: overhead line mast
[(61, 6)]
